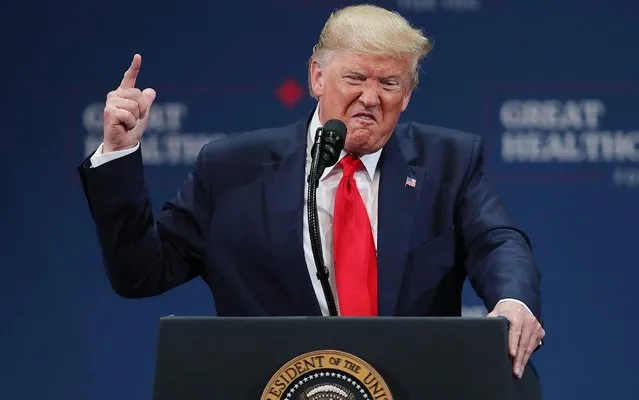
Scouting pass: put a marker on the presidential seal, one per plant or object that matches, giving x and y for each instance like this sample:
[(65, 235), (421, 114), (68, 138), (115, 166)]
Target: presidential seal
[(326, 375)]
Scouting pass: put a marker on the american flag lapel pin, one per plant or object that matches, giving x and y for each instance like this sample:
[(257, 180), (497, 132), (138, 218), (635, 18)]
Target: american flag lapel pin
[(410, 182)]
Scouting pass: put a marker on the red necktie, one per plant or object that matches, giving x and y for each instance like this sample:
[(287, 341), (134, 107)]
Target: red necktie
[(353, 246)]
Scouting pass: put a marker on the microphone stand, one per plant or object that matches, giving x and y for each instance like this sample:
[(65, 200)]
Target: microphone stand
[(313, 223)]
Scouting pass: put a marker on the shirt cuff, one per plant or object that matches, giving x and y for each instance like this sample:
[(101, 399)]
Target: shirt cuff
[(516, 301), (98, 158)]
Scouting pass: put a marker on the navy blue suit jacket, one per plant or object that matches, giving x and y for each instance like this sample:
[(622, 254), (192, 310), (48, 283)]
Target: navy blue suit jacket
[(237, 224)]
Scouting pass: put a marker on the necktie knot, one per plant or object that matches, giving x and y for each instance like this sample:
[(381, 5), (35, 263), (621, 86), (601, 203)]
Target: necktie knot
[(350, 164)]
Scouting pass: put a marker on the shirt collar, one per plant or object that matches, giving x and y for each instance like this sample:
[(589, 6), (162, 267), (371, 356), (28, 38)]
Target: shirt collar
[(369, 160)]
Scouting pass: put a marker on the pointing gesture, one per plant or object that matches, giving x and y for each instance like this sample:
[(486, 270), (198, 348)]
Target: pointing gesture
[(131, 74), (127, 110)]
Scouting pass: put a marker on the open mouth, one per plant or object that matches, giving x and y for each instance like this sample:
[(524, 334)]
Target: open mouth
[(366, 116)]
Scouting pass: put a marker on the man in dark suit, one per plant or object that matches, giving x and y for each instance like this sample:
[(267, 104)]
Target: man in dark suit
[(405, 215)]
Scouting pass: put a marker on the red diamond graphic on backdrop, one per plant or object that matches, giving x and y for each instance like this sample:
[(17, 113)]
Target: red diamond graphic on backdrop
[(289, 92)]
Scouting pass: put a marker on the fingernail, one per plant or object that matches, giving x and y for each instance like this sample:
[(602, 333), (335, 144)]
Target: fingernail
[(518, 372)]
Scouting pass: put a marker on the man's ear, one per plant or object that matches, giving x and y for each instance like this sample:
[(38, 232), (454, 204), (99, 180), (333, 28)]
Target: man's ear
[(317, 79), (406, 100)]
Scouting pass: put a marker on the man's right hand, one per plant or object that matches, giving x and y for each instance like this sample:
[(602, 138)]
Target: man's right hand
[(127, 110)]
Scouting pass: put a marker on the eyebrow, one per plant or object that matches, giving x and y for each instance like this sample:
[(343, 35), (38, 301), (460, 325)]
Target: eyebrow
[(361, 74), (352, 72)]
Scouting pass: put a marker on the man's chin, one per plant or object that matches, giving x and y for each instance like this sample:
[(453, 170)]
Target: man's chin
[(359, 132), (360, 144)]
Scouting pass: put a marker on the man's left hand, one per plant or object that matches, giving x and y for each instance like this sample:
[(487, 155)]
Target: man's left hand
[(524, 335)]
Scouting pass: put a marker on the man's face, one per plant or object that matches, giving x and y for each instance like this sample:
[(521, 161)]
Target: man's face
[(367, 93)]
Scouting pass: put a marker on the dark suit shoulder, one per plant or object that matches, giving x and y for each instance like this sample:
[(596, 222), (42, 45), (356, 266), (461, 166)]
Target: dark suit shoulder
[(256, 147), (447, 152)]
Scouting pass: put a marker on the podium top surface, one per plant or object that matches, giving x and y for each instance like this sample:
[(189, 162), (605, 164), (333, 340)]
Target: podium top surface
[(382, 358)]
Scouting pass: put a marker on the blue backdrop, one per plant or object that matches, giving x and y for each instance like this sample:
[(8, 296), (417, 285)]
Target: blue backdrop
[(552, 85)]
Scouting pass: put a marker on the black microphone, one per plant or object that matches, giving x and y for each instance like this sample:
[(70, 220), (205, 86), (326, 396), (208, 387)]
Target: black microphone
[(329, 142)]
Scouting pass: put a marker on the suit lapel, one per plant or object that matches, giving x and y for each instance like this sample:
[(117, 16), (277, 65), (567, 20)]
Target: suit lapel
[(396, 209), (284, 200)]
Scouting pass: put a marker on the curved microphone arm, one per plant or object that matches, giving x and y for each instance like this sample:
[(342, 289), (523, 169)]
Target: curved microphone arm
[(316, 244)]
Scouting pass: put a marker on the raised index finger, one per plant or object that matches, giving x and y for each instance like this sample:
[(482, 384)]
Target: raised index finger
[(131, 74)]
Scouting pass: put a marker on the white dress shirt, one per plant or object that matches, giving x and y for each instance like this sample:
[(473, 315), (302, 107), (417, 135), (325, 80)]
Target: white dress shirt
[(367, 180), (367, 183)]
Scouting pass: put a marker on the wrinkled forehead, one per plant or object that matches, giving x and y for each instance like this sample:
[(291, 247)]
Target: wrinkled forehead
[(371, 64)]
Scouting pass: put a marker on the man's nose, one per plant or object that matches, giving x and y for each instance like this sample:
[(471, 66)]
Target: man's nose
[(370, 95)]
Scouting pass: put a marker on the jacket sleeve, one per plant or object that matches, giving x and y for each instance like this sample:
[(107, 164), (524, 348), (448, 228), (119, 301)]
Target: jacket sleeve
[(144, 256), (498, 255)]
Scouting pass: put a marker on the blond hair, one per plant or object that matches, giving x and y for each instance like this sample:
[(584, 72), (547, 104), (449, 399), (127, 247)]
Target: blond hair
[(371, 30)]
